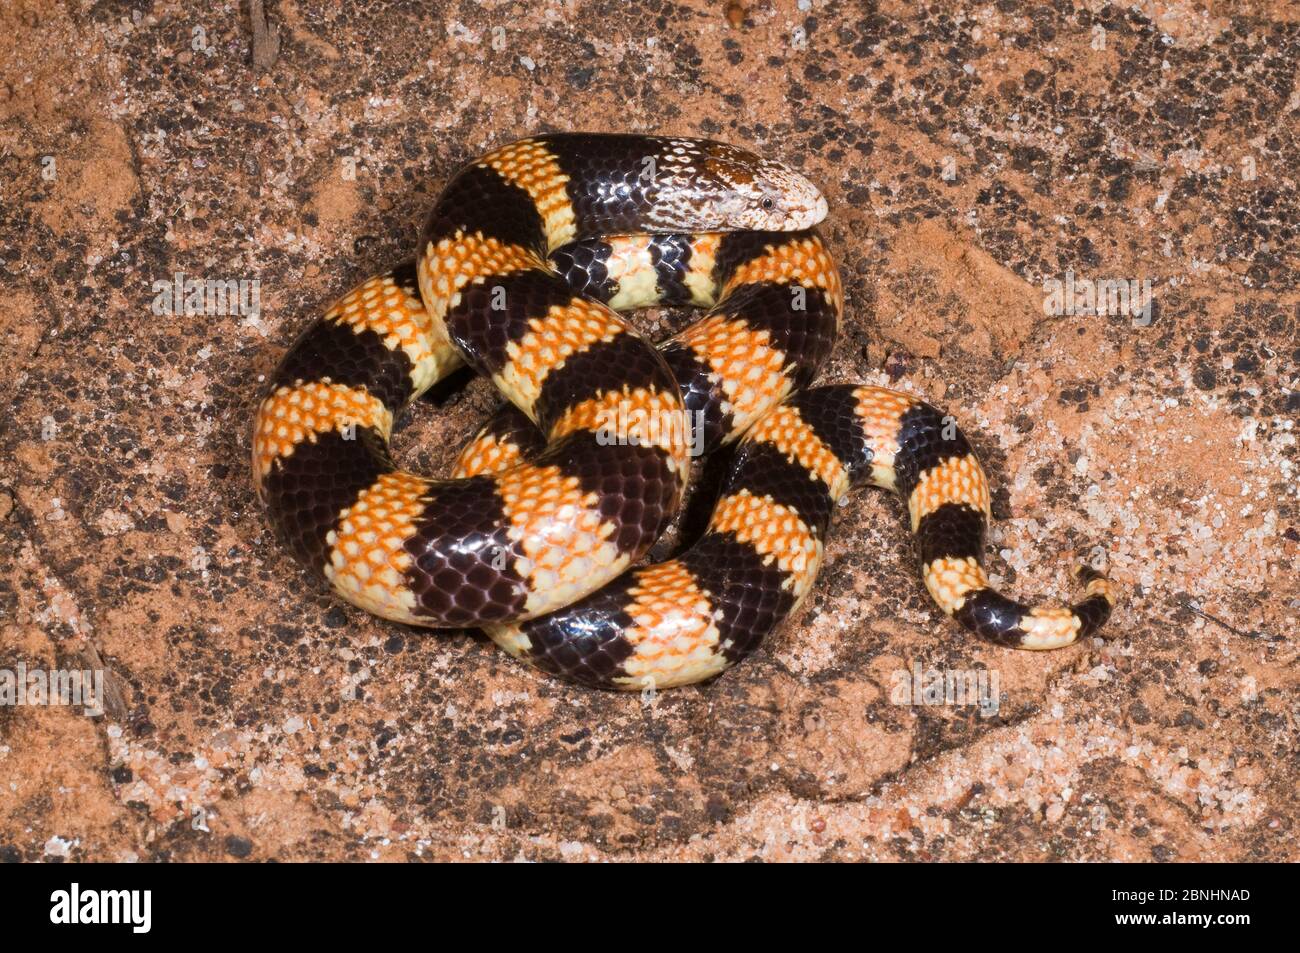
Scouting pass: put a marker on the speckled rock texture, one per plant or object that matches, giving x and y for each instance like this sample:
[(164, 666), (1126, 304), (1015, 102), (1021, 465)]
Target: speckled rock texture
[(971, 154)]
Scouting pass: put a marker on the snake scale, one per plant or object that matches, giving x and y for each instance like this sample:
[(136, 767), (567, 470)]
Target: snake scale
[(523, 267)]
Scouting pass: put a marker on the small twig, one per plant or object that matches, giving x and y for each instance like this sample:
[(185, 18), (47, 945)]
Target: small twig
[(266, 37), (1254, 634), (115, 688)]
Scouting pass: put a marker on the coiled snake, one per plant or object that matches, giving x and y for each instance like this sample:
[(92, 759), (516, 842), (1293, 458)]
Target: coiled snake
[(526, 260)]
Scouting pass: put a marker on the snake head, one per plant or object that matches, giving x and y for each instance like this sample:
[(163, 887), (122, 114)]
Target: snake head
[(757, 193), (713, 186)]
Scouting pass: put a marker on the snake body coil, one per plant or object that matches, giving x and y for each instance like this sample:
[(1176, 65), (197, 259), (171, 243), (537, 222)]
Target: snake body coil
[(527, 258)]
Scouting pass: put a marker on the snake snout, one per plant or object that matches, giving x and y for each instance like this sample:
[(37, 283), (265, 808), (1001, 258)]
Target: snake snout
[(810, 214)]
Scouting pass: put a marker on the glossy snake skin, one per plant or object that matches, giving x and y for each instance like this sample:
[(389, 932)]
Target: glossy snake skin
[(526, 260)]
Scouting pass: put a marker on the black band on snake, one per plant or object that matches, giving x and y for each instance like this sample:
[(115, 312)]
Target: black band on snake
[(524, 264)]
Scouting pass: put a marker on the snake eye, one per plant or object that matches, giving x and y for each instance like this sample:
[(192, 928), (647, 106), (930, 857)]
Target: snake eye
[(768, 204)]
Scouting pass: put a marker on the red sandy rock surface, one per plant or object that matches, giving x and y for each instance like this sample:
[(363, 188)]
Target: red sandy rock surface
[(259, 718)]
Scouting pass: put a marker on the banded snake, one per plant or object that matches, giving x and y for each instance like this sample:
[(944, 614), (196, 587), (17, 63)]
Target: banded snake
[(523, 267)]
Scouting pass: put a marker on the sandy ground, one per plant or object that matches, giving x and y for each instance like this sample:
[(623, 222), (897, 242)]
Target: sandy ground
[(970, 154)]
